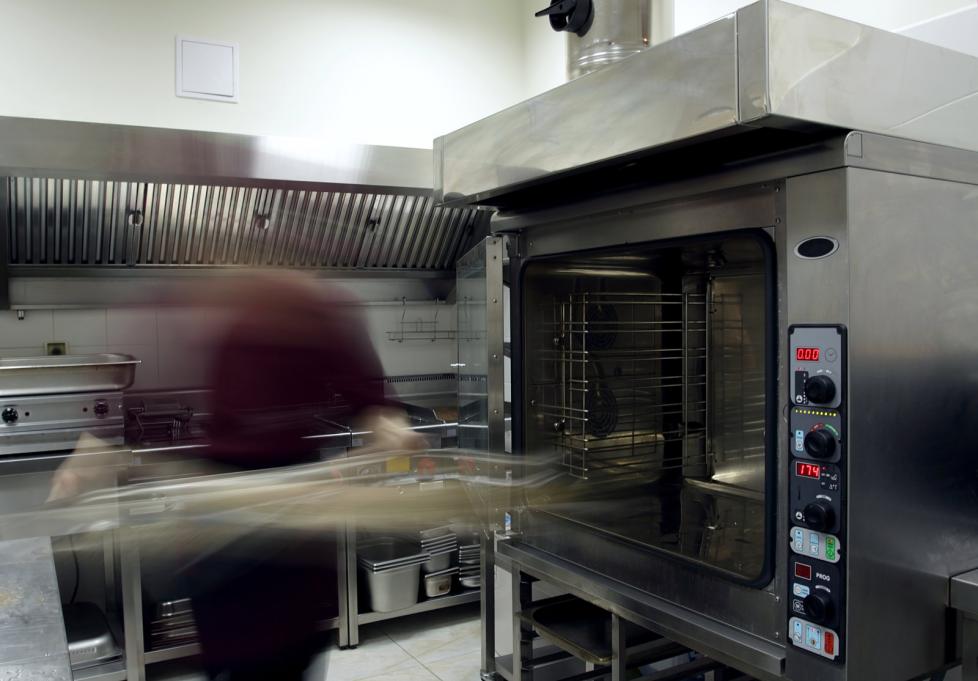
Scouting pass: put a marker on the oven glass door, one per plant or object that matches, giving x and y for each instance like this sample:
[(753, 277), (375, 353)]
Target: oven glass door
[(647, 387)]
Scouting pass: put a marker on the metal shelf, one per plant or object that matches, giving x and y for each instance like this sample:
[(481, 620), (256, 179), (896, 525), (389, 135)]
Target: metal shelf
[(470, 596), (171, 653), (109, 671)]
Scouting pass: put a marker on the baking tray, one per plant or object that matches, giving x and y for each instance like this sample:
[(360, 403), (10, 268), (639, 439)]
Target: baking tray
[(59, 374)]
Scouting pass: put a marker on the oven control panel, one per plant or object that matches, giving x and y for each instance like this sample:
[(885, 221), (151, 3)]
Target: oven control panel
[(816, 490)]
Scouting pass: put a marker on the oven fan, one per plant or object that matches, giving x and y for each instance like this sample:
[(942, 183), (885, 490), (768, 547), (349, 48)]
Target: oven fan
[(602, 411), (606, 318)]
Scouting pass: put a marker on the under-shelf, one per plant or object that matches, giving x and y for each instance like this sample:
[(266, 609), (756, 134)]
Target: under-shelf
[(469, 596)]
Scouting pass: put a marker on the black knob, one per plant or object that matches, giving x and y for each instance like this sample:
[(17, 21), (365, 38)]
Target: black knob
[(574, 16), (819, 389), (820, 443), (101, 408), (818, 607), (9, 414), (819, 516)]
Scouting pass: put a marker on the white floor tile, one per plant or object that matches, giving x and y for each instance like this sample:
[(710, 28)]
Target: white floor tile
[(464, 667), (376, 656), (412, 670), (437, 636)]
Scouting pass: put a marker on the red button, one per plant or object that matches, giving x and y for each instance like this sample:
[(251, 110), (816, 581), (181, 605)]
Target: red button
[(829, 645)]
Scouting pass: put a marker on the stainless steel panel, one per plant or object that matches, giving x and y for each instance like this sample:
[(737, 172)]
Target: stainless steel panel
[(688, 87), (32, 636), (812, 292), (58, 374), (745, 207), (913, 513), (99, 151), (835, 72), (69, 222), (964, 592), (772, 64)]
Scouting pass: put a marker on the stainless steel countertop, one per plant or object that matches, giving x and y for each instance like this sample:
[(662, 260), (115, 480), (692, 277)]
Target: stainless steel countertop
[(32, 634)]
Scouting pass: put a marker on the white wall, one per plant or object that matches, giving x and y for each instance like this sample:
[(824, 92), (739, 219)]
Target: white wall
[(397, 72), (891, 15), (544, 50)]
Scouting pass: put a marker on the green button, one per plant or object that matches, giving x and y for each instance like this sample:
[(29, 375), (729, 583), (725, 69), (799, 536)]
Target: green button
[(829, 552), (830, 542)]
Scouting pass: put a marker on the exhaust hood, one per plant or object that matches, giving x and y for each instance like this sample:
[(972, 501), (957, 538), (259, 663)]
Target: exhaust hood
[(82, 195)]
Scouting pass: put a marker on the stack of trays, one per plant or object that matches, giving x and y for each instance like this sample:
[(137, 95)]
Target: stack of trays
[(469, 558), (392, 570), (440, 543), (173, 624)]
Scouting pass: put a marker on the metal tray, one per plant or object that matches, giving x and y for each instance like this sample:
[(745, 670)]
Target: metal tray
[(90, 641), (57, 374)]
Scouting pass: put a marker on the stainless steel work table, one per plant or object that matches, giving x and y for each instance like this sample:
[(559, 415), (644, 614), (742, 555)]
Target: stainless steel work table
[(963, 597), (32, 632), (667, 619)]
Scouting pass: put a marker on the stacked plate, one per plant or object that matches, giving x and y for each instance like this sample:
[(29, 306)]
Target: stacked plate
[(440, 543), (469, 558), (469, 576)]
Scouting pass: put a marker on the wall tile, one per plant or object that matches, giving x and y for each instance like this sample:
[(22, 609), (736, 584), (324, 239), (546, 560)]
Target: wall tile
[(80, 327), (85, 349), (31, 351), (35, 329), (131, 326)]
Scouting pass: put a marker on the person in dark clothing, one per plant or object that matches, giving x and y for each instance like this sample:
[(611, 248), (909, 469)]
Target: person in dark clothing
[(289, 349)]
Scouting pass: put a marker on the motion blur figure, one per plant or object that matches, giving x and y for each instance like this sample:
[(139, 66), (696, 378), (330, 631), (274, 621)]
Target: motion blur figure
[(290, 347)]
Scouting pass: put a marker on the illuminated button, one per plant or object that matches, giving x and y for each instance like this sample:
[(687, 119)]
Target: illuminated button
[(800, 590), (798, 538), (813, 637), (829, 646), (830, 548), (803, 571)]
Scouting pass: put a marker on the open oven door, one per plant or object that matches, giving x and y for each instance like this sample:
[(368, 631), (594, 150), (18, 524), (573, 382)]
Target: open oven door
[(482, 314)]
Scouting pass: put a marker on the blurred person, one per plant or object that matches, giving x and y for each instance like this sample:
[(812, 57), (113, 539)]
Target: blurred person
[(290, 346)]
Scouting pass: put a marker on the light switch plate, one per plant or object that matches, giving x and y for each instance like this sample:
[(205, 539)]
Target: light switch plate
[(207, 69)]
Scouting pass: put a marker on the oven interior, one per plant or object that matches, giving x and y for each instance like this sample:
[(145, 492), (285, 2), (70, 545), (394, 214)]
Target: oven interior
[(645, 378)]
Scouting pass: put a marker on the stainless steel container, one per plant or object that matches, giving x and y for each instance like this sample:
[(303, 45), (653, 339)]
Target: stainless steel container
[(439, 583), (438, 562), (58, 374), (391, 570)]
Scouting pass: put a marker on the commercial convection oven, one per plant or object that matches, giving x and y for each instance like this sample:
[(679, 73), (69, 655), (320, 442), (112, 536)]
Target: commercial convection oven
[(743, 322)]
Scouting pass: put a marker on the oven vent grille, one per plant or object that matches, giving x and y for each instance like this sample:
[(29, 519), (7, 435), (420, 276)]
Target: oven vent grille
[(70, 222)]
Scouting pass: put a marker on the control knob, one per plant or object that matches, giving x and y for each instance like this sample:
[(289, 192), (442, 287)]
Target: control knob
[(9, 414), (820, 389), (101, 408), (818, 607), (820, 443), (819, 516)]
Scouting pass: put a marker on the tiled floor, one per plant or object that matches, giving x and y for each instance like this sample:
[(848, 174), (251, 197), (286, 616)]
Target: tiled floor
[(436, 646)]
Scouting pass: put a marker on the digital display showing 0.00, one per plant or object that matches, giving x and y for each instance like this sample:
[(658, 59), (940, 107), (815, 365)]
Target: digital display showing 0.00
[(807, 354)]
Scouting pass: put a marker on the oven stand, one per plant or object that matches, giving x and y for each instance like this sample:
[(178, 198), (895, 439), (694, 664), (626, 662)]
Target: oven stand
[(675, 626)]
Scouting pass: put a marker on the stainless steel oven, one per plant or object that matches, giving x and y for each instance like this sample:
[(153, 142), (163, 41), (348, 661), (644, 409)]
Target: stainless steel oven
[(743, 328)]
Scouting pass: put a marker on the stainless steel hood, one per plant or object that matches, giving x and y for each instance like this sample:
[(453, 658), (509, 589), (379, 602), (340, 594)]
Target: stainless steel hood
[(772, 75), (89, 195)]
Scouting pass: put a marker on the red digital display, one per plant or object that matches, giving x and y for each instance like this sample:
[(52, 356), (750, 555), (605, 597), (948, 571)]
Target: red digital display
[(803, 571), (807, 354), (808, 470)]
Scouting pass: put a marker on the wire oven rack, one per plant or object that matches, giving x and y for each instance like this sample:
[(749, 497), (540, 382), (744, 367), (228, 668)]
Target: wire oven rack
[(628, 384)]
